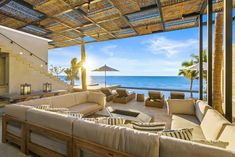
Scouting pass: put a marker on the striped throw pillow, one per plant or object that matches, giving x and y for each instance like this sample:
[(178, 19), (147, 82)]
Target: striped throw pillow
[(149, 127), (107, 120), (184, 134)]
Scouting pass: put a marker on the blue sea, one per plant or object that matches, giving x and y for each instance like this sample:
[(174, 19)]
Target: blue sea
[(166, 82)]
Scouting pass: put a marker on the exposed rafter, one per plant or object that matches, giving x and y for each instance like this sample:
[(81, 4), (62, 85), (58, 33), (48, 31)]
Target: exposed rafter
[(161, 15), (123, 16)]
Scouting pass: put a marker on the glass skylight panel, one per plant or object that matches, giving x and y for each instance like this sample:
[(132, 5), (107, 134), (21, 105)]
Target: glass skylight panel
[(179, 22), (20, 11), (151, 13), (125, 31), (34, 29)]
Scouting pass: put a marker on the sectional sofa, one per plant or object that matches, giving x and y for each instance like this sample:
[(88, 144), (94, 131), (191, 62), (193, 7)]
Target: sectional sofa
[(52, 134)]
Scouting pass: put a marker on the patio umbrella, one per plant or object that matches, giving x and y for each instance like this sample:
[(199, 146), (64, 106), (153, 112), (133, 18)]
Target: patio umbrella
[(104, 69), (196, 67)]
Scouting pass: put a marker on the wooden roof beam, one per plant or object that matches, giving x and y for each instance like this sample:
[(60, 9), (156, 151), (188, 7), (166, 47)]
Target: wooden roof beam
[(161, 15), (78, 10), (123, 16), (84, 14)]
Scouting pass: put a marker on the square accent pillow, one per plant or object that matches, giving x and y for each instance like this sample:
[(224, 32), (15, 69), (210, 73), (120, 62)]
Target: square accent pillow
[(149, 127), (107, 120), (184, 134)]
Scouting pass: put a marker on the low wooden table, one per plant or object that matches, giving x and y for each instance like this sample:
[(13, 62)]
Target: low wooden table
[(140, 98)]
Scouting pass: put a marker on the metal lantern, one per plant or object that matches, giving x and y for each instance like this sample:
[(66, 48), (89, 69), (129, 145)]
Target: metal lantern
[(25, 89), (47, 87)]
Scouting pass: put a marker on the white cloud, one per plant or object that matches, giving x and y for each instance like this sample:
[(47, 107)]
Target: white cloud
[(109, 50), (169, 47)]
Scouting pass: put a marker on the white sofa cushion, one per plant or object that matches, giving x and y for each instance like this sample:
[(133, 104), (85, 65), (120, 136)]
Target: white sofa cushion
[(228, 135), (63, 101), (38, 102), (181, 106), (50, 120), (188, 121), (212, 124), (17, 111), (170, 147), (86, 108), (139, 144), (200, 109), (97, 97), (49, 142), (81, 97)]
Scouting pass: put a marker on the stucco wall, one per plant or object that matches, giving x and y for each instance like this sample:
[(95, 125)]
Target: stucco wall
[(36, 45)]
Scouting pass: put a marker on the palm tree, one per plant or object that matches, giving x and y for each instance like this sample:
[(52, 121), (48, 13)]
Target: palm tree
[(217, 63), (56, 70), (204, 59), (189, 74), (73, 72), (196, 57)]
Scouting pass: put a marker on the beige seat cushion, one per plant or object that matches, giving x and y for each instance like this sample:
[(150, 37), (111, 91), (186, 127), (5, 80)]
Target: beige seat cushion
[(38, 102), (212, 124), (63, 101), (180, 106), (139, 144), (96, 97), (49, 143), (155, 95), (172, 147), (188, 121), (122, 92), (86, 108), (50, 120), (81, 97), (17, 111), (200, 109), (228, 135)]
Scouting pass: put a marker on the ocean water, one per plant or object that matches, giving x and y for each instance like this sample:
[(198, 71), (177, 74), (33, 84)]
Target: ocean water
[(166, 82)]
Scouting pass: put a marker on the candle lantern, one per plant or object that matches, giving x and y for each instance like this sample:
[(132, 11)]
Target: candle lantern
[(25, 89), (47, 87)]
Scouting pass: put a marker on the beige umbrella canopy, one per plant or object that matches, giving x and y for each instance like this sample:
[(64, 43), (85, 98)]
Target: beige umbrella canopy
[(104, 69)]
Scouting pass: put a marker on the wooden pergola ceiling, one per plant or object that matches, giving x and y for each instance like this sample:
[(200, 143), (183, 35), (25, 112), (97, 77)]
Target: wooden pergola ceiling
[(65, 22)]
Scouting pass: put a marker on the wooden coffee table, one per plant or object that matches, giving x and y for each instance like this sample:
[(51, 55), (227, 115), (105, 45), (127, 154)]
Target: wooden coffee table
[(129, 114)]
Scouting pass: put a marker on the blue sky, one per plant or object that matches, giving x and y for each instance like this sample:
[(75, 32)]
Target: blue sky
[(158, 54)]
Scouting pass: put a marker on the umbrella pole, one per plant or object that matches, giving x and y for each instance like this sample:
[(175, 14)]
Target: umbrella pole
[(105, 78)]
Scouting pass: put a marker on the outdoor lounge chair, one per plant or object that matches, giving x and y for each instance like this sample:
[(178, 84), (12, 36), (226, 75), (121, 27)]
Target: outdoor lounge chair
[(108, 93), (155, 99), (177, 95), (123, 96)]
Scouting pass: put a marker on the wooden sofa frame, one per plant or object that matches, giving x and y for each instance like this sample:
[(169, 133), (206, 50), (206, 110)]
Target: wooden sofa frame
[(43, 151), (82, 145), (7, 136)]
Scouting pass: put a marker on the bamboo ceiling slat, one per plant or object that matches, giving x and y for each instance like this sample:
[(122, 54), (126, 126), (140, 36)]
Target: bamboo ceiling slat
[(66, 21), (126, 6), (149, 29), (52, 7), (10, 22), (71, 34), (114, 25)]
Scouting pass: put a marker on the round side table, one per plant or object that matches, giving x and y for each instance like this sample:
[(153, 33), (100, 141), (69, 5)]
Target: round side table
[(140, 97)]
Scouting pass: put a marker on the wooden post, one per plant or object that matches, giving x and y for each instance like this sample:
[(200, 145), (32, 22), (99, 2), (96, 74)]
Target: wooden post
[(83, 59), (200, 58), (209, 52), (228, 58)]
